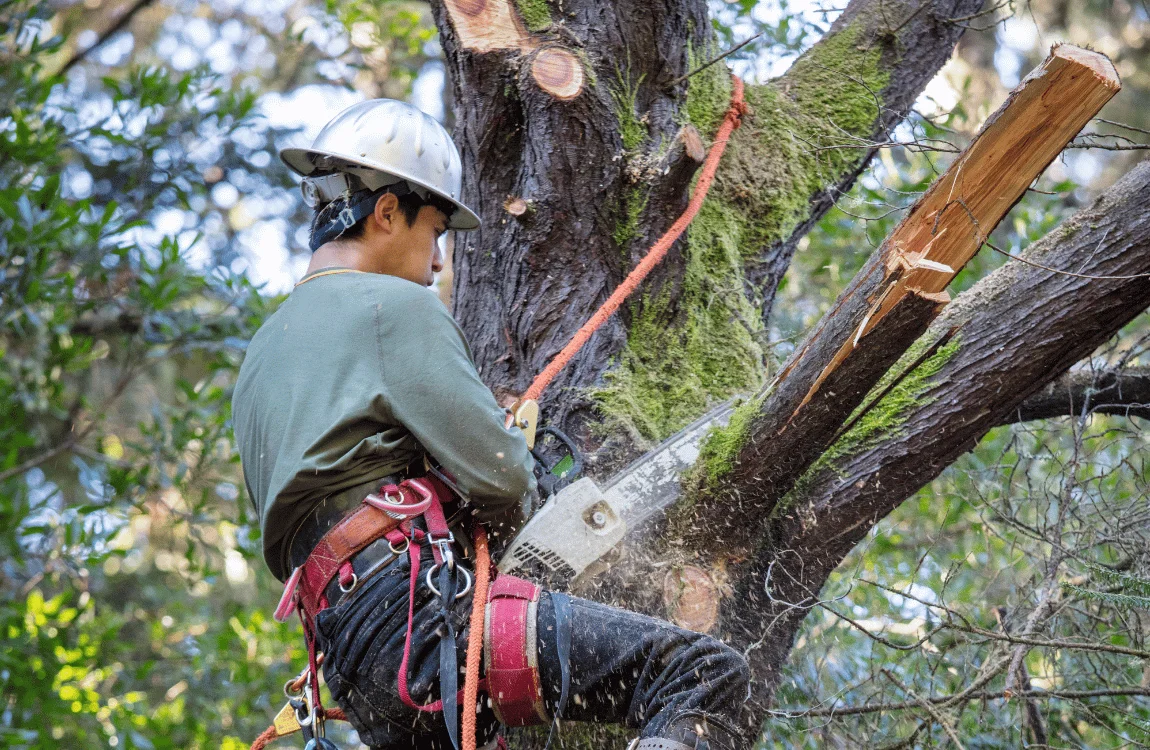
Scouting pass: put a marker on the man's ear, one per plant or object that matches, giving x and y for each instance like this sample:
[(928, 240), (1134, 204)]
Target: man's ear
[(386, 211)]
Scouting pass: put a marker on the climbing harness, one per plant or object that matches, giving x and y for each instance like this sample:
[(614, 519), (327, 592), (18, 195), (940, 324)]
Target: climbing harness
[(509, 605)]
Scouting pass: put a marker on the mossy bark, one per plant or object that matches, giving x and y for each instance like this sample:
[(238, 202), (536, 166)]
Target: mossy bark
[(595, 170)]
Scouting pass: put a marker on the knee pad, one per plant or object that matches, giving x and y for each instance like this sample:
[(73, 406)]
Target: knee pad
[(510, 647)]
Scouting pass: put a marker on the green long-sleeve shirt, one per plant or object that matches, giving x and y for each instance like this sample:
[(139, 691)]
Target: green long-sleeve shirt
[(352, 378)]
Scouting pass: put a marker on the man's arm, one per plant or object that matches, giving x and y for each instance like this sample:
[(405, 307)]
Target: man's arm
[(433, 389)]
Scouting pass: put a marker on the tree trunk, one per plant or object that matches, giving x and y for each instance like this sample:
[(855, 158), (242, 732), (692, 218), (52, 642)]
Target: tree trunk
[(577, 137), (595, 177)]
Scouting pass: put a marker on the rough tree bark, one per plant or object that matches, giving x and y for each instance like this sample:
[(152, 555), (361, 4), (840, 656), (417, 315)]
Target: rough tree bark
[(595, 177), (579, 148)]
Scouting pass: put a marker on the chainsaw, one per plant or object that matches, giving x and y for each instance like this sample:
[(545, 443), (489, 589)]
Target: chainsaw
[(579, 522)]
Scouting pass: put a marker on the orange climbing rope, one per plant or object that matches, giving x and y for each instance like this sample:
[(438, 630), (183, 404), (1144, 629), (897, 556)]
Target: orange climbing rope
[(475, 638), (270, 734), (657, 252)]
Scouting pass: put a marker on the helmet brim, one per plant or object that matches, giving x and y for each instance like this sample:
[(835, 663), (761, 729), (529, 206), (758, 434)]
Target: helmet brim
[(302, 162)]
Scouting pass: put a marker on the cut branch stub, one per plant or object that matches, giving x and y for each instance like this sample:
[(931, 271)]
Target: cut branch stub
[(488, 25), (901, 289), (558, 72)]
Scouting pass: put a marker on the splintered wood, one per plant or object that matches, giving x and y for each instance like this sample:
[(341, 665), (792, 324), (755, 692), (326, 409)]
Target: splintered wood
[(949, 224)]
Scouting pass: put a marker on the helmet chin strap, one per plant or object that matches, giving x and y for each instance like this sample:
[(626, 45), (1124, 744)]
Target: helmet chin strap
[(353, 211)]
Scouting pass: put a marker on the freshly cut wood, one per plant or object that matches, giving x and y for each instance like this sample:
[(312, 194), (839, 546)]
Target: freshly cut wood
[(488, 25), (691, 598), (900, 290), (558, 72)]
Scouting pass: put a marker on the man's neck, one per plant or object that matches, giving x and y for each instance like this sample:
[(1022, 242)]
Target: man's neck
[(345, 254)]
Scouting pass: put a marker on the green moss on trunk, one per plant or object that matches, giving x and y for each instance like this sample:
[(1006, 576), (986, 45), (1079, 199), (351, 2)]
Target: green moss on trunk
[(680, 358), (632, 129), (686, 353), (629, 220), (804, 134), (536, 14)]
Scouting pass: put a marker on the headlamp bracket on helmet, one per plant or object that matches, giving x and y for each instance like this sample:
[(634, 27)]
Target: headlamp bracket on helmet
[(319, 191)]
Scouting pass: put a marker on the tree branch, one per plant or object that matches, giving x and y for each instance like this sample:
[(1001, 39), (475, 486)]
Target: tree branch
[(119, 25), (1011, 334), (1123, 392)]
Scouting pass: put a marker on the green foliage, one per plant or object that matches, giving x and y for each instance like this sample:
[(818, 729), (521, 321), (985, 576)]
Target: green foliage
[(1126, 591), (117, 479)]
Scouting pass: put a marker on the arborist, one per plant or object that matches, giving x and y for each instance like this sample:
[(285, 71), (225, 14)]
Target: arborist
[(375, 455)]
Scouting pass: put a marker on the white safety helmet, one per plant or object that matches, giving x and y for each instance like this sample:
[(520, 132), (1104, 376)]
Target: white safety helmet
[(382, 142)]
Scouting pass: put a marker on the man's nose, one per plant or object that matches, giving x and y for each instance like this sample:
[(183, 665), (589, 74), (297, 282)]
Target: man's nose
[(438, 257)]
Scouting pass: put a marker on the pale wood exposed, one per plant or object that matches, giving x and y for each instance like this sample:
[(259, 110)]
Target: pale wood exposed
[(488, 25), (558, 72), (950, 222)]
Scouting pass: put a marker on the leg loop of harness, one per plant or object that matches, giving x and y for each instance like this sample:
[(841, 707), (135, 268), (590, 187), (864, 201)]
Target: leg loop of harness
[(510, 647)]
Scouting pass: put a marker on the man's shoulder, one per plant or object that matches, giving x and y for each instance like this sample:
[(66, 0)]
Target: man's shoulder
[(398, 299)]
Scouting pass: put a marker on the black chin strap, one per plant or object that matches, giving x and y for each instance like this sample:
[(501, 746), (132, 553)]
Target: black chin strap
[(353, 212)]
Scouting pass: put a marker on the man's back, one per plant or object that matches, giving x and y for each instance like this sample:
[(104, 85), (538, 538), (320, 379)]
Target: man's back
[(350, 380)]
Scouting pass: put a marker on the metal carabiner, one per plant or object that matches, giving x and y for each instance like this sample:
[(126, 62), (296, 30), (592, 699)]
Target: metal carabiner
[(444, 544)]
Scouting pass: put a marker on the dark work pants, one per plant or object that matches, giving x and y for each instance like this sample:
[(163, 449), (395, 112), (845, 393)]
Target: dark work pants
[(624, 667)]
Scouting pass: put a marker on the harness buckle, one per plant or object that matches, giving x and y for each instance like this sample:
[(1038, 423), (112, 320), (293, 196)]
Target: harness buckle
[(443, 543)]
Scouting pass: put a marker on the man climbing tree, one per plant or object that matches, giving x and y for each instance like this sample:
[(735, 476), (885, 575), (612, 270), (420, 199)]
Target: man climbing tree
[(372, 449)]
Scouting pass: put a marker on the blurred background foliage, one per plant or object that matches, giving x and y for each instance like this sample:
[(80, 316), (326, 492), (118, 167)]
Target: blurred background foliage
[(147, 228)]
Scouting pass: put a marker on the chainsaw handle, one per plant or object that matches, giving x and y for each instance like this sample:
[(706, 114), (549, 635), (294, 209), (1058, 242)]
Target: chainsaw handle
[(548, 482), (572, 449)]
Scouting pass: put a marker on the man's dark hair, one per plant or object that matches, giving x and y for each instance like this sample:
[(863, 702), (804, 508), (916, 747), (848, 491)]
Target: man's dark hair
[(409, 205)]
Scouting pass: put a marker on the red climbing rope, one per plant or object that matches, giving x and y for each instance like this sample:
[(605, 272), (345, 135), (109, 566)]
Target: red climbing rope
[(475, 638), (657, 252)]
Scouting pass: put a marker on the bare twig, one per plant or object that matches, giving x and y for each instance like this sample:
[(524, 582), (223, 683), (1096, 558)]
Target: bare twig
[(108, 33), (714, 60), (874, 708)]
